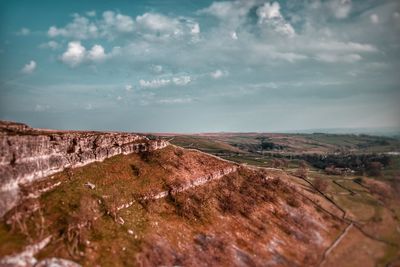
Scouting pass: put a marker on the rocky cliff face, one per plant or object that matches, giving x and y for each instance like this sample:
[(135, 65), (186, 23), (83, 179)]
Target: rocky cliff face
[(28, 154)]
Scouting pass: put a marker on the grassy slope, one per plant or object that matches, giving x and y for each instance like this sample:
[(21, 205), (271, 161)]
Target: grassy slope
[(231, 219)]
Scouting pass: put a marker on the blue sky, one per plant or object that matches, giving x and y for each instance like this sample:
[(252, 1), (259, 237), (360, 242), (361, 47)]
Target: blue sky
[(200, 66)]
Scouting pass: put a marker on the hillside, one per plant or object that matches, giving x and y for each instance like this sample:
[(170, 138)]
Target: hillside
[(170, 206), (359, 174), (275, 143)]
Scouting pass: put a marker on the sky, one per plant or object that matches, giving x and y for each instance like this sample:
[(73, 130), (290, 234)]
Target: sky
[(200, 65)]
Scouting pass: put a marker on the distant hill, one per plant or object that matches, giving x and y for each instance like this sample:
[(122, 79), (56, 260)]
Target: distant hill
[(387, 131)]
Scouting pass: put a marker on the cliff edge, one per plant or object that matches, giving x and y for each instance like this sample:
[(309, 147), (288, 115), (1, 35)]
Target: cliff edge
[(28, 154)]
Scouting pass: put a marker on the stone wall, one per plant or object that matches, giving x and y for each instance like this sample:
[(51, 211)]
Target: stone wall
[(28, 154)]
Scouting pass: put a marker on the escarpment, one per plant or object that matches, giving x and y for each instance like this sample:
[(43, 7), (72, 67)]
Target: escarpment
[(139, 205), (28, 154)]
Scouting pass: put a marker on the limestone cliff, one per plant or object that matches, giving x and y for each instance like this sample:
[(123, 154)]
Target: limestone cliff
[(28, 154)]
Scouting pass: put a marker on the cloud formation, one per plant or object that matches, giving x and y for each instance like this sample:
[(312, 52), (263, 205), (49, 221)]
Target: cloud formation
[(218, 74), (332, 58), (53, 45), (162, 82), (269, 14), (256, 28), (156, 83), (374, 18), (29, 67), (116, 21), (80, 28), (76, 54), (24, 32), (96, 53), (226, 38), (340, 8), (114, 24), (175, 100)]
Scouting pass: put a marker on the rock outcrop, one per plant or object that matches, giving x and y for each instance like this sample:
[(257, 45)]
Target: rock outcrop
[(26, 258), (198, 181), (28, 154)]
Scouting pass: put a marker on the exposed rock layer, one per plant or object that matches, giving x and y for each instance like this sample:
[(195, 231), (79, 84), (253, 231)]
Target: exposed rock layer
[(198, 181), (28, 154)]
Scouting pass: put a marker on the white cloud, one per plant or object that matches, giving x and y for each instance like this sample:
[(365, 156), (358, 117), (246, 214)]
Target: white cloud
[(128, 87), (162, 82), (219, 74), (29, 67), (54, 32), (88, 106), (340, 8), (269, 11), (287, 56), (195, 29), (270, 15), (221, 9), (80, 28), (231, 13), (121, 23), (182, 80), (51, 45), (40, 108), (113, 24), (343, 46), (91, 13), (333, 58), (157, 68), (96, 53), (157, 23), (264, 52), (156, 83), (233, 16), (259, 29), (74, 55), (154, 25), (374, 18), (24, 32), (234, 35), (175, 100)]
